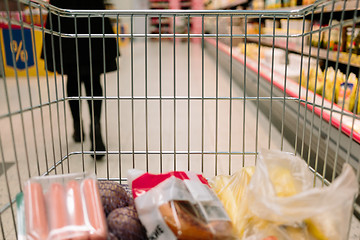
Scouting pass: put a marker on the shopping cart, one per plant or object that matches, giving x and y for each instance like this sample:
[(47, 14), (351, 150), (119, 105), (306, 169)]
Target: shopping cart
[(180, 101)]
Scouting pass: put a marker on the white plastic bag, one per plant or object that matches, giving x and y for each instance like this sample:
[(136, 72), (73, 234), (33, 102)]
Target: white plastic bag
[(179, 205), (281, 192)]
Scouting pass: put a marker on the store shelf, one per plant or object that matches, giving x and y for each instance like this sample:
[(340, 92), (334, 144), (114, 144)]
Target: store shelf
[(281, 43), (322, 131), (185, 4), (292, 90), (163, 30), (338, 7), (159, 5), (233, 4), (164, 21)]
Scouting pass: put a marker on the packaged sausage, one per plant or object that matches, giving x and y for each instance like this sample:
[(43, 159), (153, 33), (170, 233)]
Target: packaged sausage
[(179, 205), (63, 207)]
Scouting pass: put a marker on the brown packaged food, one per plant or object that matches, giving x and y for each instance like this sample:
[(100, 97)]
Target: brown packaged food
[(186, 223), (113, 196), (124, 223)]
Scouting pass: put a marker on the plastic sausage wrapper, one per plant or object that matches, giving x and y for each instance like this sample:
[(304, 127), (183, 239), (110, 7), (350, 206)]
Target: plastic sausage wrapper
[(63, 207), (179, 205)]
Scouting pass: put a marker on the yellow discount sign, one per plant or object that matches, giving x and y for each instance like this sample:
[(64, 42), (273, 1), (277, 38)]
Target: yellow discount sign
[(21, 50)]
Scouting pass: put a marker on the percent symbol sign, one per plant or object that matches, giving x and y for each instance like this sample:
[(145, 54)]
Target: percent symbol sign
[(19, 52)]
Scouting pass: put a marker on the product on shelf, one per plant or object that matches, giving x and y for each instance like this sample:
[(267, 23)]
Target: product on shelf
[(285, 3), (352, 33), (252, 50), (347, 92), (277, 200), (334, 36), (179, 205), (270, 4), (296, 27), (358, 103), (325, 37), (340, 78), (258, 4), (315, 77), (354, 60), (329, 86), (293, 3), (315, 35), (63, 207), (307, 2)]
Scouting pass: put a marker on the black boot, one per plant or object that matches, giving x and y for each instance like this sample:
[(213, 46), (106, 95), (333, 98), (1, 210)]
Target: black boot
[(99, 144), (76, 134)]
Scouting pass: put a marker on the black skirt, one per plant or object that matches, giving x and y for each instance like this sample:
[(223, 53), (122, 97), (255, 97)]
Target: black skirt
[(90, 50)]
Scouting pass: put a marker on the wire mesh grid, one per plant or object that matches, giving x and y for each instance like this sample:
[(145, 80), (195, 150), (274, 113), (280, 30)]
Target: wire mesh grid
[(190, 100)]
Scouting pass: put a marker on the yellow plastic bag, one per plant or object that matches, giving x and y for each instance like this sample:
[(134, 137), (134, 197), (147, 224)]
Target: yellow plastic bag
[(232, 193)]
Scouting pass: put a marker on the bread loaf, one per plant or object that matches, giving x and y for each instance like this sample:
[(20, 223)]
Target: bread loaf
[(185, 222)]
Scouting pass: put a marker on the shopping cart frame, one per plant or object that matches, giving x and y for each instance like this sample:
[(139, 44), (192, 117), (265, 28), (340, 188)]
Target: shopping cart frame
[(344, 147)]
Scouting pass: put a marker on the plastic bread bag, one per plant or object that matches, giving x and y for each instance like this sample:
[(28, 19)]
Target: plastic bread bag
[(63, 207), (281, 192), (179, 205)]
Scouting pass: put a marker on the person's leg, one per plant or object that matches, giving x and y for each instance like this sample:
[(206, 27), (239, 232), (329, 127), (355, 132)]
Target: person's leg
[(72, 91), (96, 114)]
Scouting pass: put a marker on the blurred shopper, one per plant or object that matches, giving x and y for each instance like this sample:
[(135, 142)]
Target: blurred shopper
[(82, 63)]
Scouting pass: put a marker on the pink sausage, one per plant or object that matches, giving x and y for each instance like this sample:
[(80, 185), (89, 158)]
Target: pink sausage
[(57, 210), (35, 212), (77, 215), (94, 210)]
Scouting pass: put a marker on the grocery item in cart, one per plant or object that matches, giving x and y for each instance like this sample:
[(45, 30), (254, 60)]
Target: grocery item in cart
[(179, 205), (278, 200), (113, 195), (231, 191), (124, 223), (63, 207)]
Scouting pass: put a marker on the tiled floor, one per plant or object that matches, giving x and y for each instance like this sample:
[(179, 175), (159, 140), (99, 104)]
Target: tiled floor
[(48, 129)]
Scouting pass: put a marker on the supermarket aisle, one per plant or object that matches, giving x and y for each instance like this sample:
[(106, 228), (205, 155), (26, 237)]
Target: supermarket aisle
[(45, 127), (200, 110), (49, 122)]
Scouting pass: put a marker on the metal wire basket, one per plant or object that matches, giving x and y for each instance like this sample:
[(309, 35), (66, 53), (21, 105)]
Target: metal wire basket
[(203, 100)]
